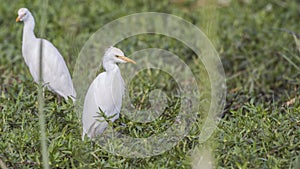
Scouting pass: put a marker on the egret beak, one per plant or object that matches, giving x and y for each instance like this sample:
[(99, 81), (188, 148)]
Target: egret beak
[(17, 19), (126, 59)]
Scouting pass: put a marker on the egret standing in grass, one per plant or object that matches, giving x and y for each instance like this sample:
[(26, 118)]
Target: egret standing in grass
[(55, 74), (105, 93)]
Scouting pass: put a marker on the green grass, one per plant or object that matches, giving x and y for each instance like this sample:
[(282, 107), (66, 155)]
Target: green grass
[(260, 61)]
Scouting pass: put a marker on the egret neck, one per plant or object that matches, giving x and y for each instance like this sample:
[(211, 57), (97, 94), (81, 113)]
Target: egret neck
[(28, 30)]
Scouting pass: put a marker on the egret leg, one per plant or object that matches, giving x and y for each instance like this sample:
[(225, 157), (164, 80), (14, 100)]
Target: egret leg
[(58, 99)]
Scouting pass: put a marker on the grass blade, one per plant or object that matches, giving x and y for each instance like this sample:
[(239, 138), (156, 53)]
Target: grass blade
[(43, 137), (289, 60)]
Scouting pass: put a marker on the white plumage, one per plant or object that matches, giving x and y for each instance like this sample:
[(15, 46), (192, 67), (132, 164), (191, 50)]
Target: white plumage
[(105, 92), (55, 74)]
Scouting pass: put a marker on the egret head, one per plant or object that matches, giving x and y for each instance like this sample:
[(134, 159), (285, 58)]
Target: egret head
[(115, 55), (23, 14)]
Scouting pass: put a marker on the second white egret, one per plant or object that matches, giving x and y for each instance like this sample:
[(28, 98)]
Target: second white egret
[(55, 74), (105, 92)]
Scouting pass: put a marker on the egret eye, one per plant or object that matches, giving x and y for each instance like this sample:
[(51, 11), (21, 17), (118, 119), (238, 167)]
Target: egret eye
[(117, 56)]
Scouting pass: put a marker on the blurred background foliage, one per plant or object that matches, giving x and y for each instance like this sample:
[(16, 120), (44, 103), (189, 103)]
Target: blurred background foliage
[(253, 38)]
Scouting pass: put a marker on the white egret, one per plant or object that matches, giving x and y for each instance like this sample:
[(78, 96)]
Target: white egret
[(55, 74), (105, 92)]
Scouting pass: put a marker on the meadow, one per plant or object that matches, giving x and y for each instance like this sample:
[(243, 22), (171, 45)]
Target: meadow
[(259, 47)]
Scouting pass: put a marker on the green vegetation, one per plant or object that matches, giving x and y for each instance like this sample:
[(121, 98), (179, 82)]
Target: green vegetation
[(259, 53)]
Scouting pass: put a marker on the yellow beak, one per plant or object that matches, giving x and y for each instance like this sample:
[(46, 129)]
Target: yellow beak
[(17, 19), (126, 59)]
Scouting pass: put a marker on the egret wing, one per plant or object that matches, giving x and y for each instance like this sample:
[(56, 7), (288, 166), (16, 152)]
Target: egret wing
[(55, 72)]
